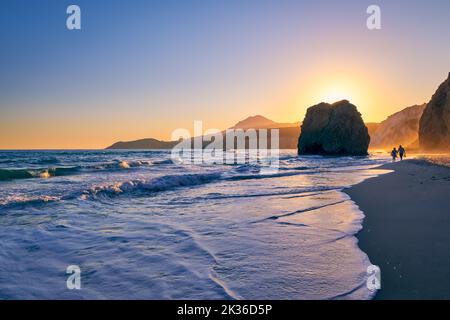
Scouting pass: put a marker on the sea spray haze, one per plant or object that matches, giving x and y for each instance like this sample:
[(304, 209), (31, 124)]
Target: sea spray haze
[(139, 226)]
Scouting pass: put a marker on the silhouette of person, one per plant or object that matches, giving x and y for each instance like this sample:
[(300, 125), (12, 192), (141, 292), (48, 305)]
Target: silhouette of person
[(394, 154), (401, 152)]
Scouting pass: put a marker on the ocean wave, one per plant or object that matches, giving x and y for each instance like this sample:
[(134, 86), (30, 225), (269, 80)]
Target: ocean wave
[(252, 168), (48, 160), (119, 165), (23, 200), (163, 183), (299, 168), (163, 162), (171, 182), (134, 187), (59, 171), (13, 174)]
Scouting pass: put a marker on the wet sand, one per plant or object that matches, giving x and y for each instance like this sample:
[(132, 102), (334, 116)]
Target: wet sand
[(406, 231)]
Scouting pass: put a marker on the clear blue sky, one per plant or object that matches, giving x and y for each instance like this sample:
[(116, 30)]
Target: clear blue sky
[(143, 68)]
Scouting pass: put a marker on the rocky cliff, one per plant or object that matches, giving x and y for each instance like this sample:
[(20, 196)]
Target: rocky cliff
[(434, 128), (333, 129)]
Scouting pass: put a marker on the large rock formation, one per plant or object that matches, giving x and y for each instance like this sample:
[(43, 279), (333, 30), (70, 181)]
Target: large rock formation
[(434, 131), (401, 128), (333, 129)]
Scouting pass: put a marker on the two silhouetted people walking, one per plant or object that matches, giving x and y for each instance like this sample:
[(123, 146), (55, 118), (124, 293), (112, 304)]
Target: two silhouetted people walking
[(401, 152)]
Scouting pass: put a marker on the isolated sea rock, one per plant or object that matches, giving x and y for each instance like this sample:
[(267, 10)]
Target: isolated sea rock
[(434, 130), (333, 129), (401, 128)]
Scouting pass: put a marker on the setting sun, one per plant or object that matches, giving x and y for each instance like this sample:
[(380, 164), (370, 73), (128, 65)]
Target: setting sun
[(334, 95), (246, 152)]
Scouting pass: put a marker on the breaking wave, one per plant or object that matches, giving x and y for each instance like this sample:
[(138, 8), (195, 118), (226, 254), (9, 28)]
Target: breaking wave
[(14, 174), (22, 201), (163, 183), (170, 182)]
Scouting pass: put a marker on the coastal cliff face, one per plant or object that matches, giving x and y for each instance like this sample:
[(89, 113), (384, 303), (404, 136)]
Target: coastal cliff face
[(401, 128), (434, 131), (333, 129)]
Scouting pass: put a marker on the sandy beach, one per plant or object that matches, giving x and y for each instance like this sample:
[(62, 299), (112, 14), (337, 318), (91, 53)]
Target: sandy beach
[(406, 231)]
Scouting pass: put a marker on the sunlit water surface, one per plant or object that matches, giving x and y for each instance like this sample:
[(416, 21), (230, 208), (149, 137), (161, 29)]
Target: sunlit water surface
[(141, 227)]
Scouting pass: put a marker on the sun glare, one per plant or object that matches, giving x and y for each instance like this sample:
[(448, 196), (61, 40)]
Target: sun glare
[(335, 95)]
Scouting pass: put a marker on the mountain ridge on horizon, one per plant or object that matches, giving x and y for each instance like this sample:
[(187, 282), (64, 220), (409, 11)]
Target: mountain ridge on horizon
[(289, 133), (261, 122), (252, 122)]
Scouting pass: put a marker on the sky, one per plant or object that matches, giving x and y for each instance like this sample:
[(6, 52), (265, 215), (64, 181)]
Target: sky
[(140, 69)]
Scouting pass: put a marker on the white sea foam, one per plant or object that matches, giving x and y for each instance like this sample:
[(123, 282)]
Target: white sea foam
[(142, 227)]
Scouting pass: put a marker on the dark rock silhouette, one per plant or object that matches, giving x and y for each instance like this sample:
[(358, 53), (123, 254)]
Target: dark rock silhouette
[(144, 144), (333, 129), (434, 130)]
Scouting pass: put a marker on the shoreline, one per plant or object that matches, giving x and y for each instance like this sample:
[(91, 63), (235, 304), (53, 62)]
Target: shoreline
[(406, 229)]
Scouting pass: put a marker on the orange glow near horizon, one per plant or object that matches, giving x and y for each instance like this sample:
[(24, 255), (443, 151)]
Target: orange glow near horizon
[(219, 62), (375, 96), (334, 95), (92, 129)]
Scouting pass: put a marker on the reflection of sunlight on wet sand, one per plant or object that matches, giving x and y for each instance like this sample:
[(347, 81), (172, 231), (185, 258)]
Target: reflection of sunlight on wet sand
[(438, 159), (334, 178), (340, 215)]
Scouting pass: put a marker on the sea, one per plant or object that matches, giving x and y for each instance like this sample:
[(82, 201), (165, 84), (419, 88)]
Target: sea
[(136, 225)]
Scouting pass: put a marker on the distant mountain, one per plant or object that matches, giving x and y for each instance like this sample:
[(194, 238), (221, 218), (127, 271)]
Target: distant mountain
[(400, 128), (260, 122), (288, 133), (144, 144)]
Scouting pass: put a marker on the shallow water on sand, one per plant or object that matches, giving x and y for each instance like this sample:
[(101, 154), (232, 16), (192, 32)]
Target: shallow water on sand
[(142, 227)]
